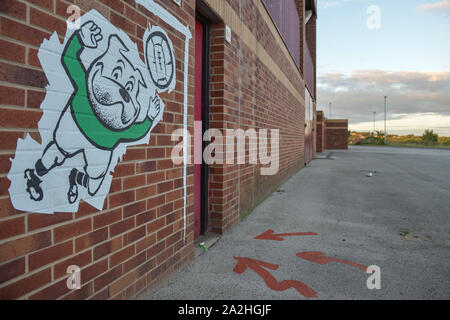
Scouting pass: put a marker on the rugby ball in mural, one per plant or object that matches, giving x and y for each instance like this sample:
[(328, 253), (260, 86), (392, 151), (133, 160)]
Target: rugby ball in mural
[(101, 98)]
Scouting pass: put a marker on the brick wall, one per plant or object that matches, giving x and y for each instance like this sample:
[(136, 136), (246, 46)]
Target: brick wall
[(337, 134), (138, 238), (255, 83), (321, 137)]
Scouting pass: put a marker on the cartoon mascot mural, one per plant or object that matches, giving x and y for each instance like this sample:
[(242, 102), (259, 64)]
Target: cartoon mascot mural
[(101, 98)]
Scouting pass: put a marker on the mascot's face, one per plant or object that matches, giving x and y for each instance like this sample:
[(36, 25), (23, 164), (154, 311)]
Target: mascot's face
[(113, 87)]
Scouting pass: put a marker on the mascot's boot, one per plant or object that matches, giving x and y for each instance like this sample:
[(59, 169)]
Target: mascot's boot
[(76, 178), (33, 185)]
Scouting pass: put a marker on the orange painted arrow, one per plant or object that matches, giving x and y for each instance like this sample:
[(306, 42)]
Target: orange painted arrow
[(320, 258), (272, 283), (270, 235)]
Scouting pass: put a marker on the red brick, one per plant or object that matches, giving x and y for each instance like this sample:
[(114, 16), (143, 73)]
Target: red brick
[(26, 285), (165, 209), (145, 217), (155, 177), (14, 9), (121, 199), (154, 250), (155, 202), (81, 294), (9, 141), (91, 239), (12, 270), (164, 186), (121, 256), (134, 262), (156, 225), (173, 239), (122, 23), (122, 283), (88, 5), (22, 246), (146, 166), (80, 260), (164, 164), (163, 256), (134, 235), (47, 22), (155, 153), (61, 8), (72, 229), (164, 232), (12, 51), (46, 256), (6, 208), (116, 185), (33, 59), (102, 295), (129, 292), (145, 192), (145, 268), (121, 227), (12, 118), (107, 278), (12, 96), (52, 292), (45, 4), (133, 182), (135, 16), (134, 209), (107, 218), (93, 271), (134, 154), (107, 248), (22, 32), (140, 285), (12, 227), (125, 169), (85, 209), (37, 221), (114, 4)]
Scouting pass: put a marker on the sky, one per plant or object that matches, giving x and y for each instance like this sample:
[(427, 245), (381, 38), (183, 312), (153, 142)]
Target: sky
[(368, 49)]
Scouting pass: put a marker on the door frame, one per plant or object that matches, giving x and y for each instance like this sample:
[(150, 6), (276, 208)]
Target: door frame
[(204, 205)]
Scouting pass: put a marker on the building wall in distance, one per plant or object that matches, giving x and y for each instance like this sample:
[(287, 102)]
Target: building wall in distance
[(321, 136), (337, 134)]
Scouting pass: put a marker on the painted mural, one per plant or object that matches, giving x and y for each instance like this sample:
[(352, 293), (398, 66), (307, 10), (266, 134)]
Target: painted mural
[(101, 99)]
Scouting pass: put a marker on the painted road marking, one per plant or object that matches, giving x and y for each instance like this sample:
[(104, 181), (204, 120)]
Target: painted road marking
[(320, 258), (258, 266), (270, 235)]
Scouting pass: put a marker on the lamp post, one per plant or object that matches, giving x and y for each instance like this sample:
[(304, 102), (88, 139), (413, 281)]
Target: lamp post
[(329, 110), (374, 114), (385, 111)]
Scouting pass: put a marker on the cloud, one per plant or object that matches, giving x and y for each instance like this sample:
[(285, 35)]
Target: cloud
[(440, 5), (328, 4), (323, 5), (357, 95)]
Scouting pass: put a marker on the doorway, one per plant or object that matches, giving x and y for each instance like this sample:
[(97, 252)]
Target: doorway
[(201, 117), (309, 126)]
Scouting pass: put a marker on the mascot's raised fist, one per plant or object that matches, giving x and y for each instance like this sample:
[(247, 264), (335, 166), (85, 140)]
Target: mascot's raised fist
[(90, 34)]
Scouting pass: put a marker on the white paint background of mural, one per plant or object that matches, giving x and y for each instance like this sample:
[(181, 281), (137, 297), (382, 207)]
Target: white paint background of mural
[(59, 90)]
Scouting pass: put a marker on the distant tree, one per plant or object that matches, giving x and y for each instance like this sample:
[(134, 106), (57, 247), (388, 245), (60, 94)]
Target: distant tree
[(429, 137), (379, 137)]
